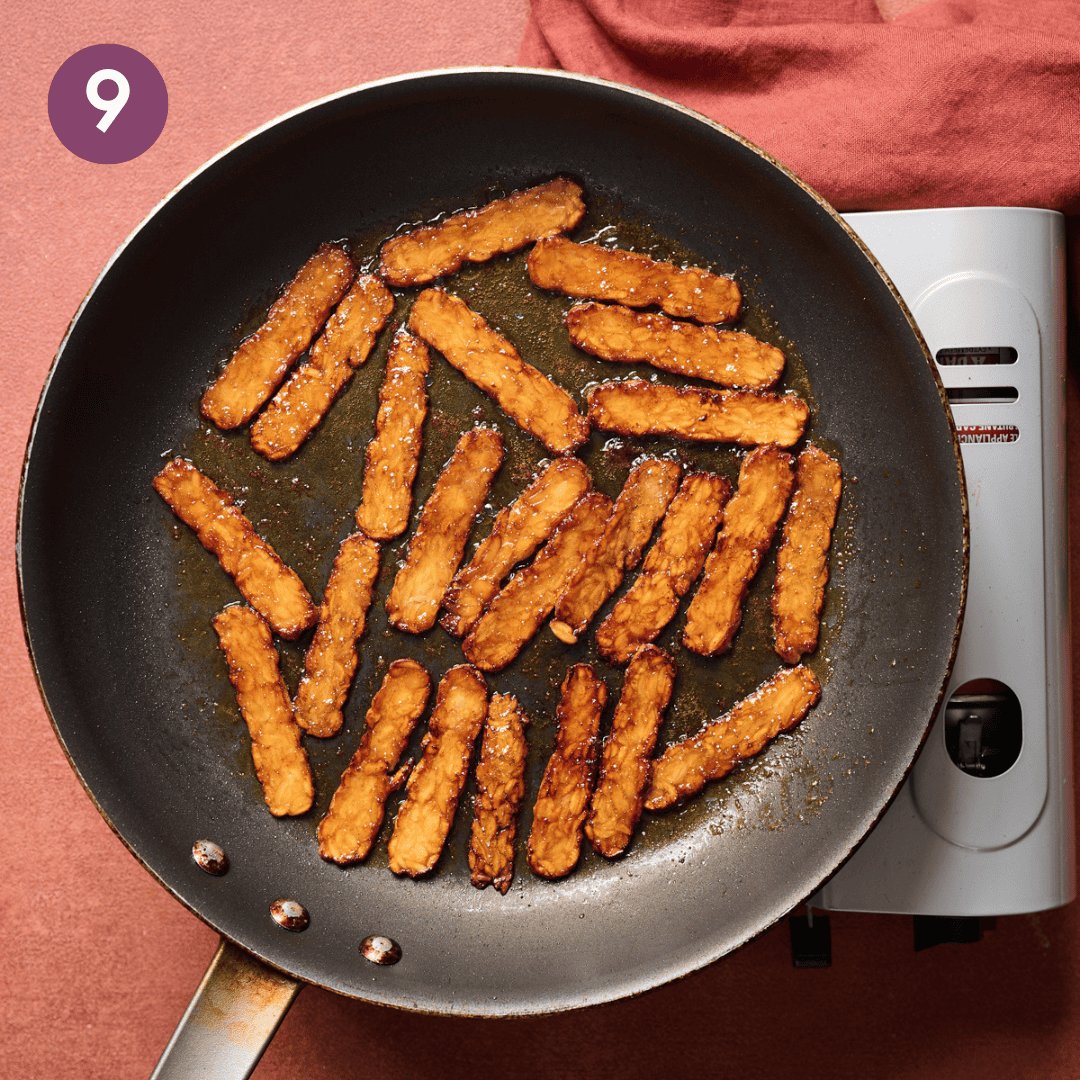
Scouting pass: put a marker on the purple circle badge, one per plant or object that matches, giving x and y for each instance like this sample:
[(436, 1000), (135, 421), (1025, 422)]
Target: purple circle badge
[(108, 104)]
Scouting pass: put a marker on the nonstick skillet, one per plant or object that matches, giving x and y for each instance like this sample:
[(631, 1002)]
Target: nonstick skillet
[(117, 596)]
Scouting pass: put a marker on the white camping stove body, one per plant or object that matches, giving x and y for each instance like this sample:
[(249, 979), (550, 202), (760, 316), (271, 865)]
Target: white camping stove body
[(963, 838)]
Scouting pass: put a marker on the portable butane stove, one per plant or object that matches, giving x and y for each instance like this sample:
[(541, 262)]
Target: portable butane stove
[(984, 824)]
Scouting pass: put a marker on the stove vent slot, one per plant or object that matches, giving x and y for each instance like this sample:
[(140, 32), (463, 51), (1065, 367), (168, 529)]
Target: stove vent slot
[(981, 395), (976, 357)]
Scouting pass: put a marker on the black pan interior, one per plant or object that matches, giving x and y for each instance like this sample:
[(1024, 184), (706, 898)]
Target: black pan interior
[(117, 596)]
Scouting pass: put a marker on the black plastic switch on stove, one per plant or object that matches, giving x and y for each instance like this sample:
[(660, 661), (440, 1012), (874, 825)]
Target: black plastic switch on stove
[(811, 940), (931, 930)]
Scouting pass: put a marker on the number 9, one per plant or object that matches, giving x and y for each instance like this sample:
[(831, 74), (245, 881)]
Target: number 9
[(110, 107)]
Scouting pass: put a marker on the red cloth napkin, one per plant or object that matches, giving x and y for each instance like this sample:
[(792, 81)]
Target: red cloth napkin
[(953, 103)]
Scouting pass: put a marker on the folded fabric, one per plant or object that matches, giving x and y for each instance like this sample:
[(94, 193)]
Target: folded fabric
[(952, 103)]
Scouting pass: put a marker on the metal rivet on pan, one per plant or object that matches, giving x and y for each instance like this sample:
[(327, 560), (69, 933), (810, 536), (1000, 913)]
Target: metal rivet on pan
[(380, 950), (210, 857), (290, 915)]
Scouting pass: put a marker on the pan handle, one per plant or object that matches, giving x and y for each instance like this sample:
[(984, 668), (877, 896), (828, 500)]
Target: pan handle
[(230, 1021)]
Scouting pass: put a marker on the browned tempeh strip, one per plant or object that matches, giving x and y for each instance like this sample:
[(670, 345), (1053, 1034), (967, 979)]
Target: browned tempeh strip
[(392, 459), (802, 566), (436, 548), (488, 360), (563, 799), (640, 505), (727, 357), (435, 785), (625, 762), (280, 762), (670, 567), (331, 658), (348, 337), (349, 829), (476, 235), (500, 787), (601, 273), (750, 520), (687, 766), (518, 531), (258, 366), (636, 407), (528, 597), (264, 581)]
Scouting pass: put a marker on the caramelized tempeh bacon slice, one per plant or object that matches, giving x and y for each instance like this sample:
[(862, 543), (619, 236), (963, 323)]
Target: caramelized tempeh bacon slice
[(625, 763), (393, 457), (280, 762), (518, 531), (687, 766), (258, 366), (545, 410), (476, 235), (436, 548), (636, 407), (348, 338), (331, 658), (601, 273), (802, 567), (640, 505), (750, 520), (264, 581), (435, 785), (500, 787), (670, 567), (349, 829), (528, 597), (563, 799), (727, 357)]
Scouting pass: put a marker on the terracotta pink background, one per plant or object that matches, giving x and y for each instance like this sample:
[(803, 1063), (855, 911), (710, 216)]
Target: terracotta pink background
[(96, 962)]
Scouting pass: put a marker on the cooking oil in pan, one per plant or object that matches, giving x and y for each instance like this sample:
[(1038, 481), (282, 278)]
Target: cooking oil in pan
[(305, 506)]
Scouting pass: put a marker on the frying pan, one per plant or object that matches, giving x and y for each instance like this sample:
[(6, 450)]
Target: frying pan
[(117, 596)]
